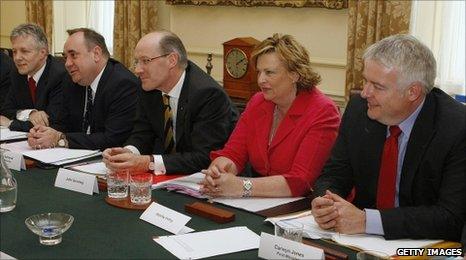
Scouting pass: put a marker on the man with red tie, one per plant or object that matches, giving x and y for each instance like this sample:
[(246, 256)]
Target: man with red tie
[(34, 97), (402, 147)]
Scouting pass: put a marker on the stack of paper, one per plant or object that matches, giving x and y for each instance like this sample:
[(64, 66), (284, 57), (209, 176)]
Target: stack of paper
[(190, 185), (310, 228), (362, 241), (6, 134), (210, 243), (55, 156), (97, 168)]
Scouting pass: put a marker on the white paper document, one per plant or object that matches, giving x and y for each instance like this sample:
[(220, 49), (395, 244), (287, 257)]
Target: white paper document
[(6, 134), (5, 256), (97, 168), (17, 147), (364, 242), (379, 244), (55, 156), (210, 243)]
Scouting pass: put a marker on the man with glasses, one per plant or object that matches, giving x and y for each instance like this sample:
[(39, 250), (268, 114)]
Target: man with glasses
[(182, 115), (99, 104), (34, 96)]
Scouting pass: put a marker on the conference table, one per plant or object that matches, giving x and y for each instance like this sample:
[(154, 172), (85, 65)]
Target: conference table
[(101, 230)]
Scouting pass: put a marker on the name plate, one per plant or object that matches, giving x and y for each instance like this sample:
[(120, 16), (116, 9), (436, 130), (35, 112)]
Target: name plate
[(274, 247), (76, 181), (166, 218), (14, 161)]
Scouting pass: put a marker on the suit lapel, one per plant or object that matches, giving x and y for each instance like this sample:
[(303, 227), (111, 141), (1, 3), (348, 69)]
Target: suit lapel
[(41, 91), (421, 135), (372, 142)]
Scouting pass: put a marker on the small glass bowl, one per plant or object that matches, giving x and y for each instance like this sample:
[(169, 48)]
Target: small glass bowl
[(49, 226)]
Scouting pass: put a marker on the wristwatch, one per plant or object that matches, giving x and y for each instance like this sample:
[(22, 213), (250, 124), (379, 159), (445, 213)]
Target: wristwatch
[(247, 188), (151, 163), (62, 142)]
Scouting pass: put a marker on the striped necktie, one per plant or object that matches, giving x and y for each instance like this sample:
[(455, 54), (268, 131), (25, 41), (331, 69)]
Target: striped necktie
[(87, 114), (169, 142)]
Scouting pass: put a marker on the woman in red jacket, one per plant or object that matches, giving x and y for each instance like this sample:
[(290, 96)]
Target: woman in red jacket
[(286, 131)]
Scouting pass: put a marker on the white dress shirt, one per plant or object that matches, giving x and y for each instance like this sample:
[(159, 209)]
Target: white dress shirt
[(159, 166)]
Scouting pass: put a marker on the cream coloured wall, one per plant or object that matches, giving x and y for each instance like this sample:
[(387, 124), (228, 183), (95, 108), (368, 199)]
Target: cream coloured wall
[(323, 32), (12, 13), (67, 14)]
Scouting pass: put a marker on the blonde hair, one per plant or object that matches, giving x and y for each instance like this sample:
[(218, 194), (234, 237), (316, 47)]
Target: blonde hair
[(293, 55)]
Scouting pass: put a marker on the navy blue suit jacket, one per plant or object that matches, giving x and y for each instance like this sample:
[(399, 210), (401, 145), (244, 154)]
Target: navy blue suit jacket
[(113, 112)]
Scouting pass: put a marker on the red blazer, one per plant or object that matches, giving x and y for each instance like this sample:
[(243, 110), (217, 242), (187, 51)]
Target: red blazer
[(301, 144)]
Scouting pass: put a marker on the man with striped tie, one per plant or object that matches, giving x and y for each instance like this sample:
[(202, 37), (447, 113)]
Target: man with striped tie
[(402, 147), (182, 114)]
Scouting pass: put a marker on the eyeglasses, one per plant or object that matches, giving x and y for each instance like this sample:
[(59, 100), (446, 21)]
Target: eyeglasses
[(146, 61)]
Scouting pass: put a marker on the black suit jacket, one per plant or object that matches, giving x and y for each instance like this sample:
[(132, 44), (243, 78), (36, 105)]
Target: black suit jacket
[(6, 65), (204, 121), (432, 193), (48, 94), (113, 112)]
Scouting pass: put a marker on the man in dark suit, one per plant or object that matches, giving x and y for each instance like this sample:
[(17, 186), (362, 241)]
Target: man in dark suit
[(402, 146), (34, 97), (183, 113), (99, 104), (6, 65)]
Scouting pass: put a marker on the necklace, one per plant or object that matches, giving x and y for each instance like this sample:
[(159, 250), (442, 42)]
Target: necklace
[(275, 122)]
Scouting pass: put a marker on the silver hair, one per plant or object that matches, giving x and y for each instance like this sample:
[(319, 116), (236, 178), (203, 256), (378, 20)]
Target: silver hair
[(33, 30), (170, 42), (412, 59)]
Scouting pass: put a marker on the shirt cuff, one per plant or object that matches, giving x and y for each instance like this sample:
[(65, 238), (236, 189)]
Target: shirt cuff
[(373, 222), (133, 149), (159, 166), (23, 115)]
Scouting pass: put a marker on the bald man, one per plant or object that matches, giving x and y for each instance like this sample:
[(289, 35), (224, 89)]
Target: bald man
[(183, 113)]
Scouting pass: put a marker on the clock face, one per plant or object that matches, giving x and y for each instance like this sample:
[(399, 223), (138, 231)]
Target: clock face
[(236, 63)]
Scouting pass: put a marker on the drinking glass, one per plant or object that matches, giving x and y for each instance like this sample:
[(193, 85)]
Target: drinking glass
[(140, 190), (117, 184), (290, 230)]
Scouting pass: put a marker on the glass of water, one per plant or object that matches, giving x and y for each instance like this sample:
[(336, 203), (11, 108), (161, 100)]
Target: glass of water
[(117, 184), (140, 190), (291, 230)]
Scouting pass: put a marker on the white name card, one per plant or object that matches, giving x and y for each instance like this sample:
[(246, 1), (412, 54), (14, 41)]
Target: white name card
[(166, 218), (14, 161), (76, 181), (274, 247)]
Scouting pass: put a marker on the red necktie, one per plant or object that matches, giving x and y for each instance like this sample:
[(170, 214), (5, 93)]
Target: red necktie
[(388, 169), (32, 89)]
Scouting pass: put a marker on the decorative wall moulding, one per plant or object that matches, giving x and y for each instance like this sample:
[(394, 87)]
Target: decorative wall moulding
[(329, 4)]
